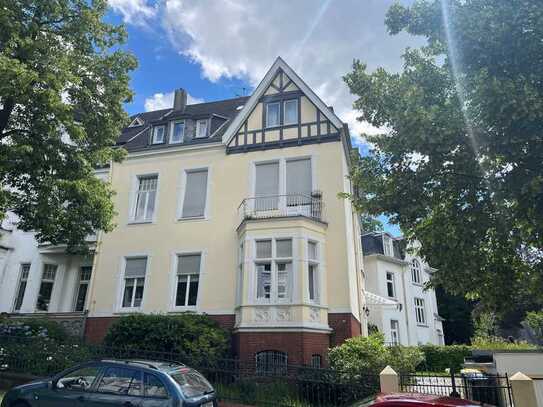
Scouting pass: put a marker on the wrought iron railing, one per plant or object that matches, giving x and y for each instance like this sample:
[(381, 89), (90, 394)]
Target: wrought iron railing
[(280, 206)]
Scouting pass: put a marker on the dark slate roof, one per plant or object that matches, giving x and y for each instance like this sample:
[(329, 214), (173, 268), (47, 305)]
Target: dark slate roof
[(372, 243), (222, 113)]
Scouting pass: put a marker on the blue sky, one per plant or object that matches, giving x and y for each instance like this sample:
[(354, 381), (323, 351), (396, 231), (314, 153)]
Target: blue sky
[(221, 49)]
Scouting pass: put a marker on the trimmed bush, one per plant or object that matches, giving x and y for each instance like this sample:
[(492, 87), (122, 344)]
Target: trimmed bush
[(438, 358), (496, 343), (197, 338), (33, 328), (368, 355)]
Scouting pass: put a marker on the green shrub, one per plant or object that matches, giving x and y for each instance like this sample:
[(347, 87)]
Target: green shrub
[(369, 355), (33, 328), (497, 343), (196, 338), (438, 358), (534, 320)]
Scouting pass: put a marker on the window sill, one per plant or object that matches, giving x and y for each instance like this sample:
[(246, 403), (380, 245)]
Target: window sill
[(192, 218), (423, 325), (140, 222), (272, 127), (131, 310), (178, 310), (417, 284)]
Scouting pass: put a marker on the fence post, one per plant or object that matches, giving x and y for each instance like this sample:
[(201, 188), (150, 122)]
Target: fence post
[(389, 380), (523, 390)]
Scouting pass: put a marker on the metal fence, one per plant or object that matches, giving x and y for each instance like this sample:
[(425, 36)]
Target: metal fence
[(490, 389), (234, 380)]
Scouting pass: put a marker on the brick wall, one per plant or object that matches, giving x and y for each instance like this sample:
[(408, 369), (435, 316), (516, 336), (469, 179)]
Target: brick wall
[(344, 326), (299, 346)]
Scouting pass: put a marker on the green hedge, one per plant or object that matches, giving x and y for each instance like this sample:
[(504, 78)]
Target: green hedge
[(439, 358), (32, 328), (196, 337)]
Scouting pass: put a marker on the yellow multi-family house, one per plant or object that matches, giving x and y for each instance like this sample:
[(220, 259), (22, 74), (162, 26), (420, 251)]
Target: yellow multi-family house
[(231, 208)]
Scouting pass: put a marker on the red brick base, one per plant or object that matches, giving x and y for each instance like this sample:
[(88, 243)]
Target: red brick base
[(96, 328), (344, 326)]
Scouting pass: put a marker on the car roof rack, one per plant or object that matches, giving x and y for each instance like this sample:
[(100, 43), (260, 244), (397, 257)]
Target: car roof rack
[(130, 361)]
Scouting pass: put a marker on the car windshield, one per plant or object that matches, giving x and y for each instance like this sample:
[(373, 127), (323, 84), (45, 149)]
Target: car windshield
[(192, 383)]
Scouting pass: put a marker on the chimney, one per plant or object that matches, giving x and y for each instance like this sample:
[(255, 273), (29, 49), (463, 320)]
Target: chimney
[(180, 99)]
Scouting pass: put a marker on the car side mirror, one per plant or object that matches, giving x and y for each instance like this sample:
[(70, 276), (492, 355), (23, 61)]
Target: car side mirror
[(57, 385)]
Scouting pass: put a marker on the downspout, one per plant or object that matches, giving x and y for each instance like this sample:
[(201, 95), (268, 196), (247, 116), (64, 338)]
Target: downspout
[(405, 307)]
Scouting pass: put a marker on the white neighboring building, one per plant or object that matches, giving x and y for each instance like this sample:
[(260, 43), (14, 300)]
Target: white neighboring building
[(397, 301), (41, 278)]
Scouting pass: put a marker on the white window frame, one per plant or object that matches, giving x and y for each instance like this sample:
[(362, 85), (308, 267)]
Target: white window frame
[(154, 139), (174, 122), (122, 281), (416, 275), (22, 278), (174, 279), (78, 286), (274, 261), (391, 281), (395, 332), (268, 125), (316, 263), (134, 198), (388, 246), (183, 189), (43, 266), (198, 126), (295, 101), (420, 311)]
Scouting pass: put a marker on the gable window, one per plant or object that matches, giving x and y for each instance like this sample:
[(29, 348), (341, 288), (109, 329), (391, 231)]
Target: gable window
[(201, 128), (158, 134), (415, 272), (391, 288), (388, 246), (420, 312), (271, 362), (291, 111), (188, 278), (144, 208), (194, 201), (178, 132), (21, 287), (84, 281), (266, 186), (273, 270), (395, 332), (134, 281), (312, 271), (273, 114), (46, 287)]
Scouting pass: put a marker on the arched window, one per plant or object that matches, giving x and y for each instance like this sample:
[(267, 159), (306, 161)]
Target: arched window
[(415, 271), (316, 361), (271, 363)]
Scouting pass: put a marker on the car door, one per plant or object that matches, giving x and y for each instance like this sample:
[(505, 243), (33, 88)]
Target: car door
[(117, 386), (70, 389), (155, 392)]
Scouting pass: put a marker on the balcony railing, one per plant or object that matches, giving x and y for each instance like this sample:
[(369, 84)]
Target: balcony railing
[(280, 206)]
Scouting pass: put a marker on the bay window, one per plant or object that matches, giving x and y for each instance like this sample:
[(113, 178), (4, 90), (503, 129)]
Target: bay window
[(313, 271), (273, 266)]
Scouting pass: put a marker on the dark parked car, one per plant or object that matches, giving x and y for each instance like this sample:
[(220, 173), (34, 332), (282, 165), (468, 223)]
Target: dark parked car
[(415, 400), (127, 383)]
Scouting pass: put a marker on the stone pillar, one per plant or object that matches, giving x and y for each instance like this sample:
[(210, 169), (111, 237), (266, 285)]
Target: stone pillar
[(389, 381), (523, 390)]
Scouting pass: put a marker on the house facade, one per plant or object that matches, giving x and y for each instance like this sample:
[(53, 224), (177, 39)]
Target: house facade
[(231, 209), (399, 304)]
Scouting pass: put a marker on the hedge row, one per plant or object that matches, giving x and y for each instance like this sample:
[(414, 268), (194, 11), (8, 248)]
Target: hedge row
[(440, 358)]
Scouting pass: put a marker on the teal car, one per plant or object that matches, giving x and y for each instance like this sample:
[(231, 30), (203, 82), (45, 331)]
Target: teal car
[(127, 383)]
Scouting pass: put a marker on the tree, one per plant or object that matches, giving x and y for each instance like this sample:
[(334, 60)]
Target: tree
[(370, 224), (457, 311), (458, 165), (63, 80)]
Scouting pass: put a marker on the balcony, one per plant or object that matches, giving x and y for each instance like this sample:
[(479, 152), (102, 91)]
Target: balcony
[(282, 206)]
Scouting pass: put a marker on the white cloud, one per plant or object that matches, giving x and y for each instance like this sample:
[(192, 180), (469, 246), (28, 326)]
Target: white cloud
[(165, 100), (136, 12), (319, 39)]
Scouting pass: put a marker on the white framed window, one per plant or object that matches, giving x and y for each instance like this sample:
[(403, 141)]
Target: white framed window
[(144, 205), (420, 311), (159, 134), (188, 279), (394, 332), (273, 266), (313, 271), (195, 196), (273, 115), (21, 286), (291, 111), (177, 134), (299, 182), (85, 273), (391, 284), (46, 287), (201, 128), (388, 246), (134, 281), (415, 272)]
